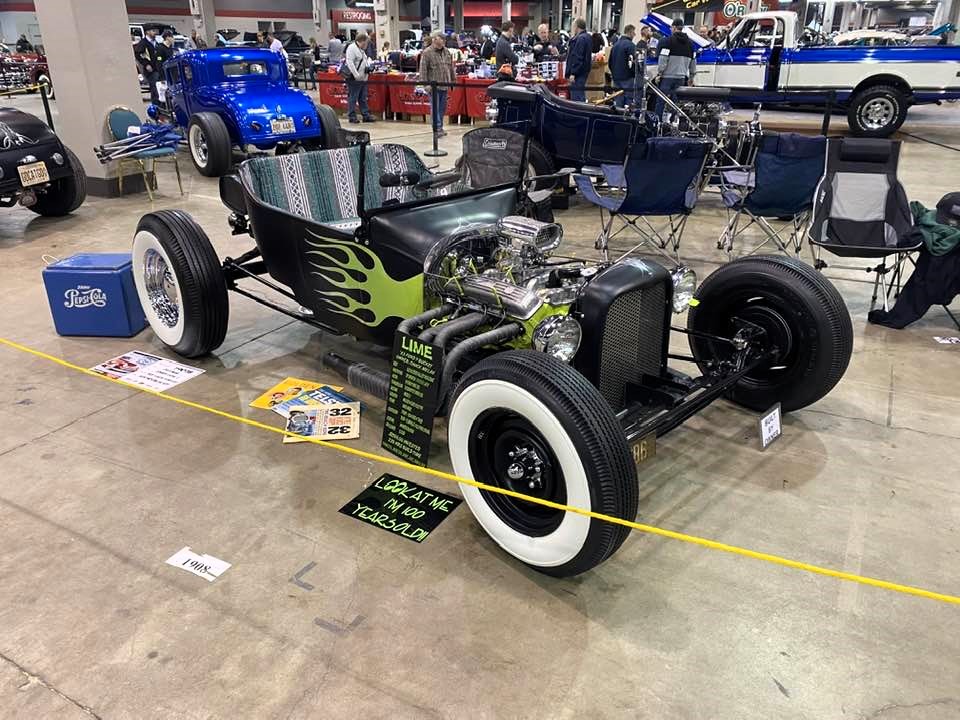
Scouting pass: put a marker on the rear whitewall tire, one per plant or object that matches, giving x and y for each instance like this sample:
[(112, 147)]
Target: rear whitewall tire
[(564, 543)]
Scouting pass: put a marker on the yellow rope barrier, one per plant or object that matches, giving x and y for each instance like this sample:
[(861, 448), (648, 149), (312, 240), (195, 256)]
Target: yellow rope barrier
[(650, 529)]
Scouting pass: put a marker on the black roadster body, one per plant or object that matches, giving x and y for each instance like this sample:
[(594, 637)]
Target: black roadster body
[(36, 169)]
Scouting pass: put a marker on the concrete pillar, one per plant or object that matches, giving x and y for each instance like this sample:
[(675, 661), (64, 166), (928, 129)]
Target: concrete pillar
[(88, 48), (321, 21), (596, 18), (845, 16), (436, 15), (633, 12), (829, 8), (458, 16), (556, 15), (953, 16), (506, 10), (204, 20), (386, 21), (578, 9)]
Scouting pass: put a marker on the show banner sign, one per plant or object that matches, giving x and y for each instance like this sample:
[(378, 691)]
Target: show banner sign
[(412, 399), (401, 507)]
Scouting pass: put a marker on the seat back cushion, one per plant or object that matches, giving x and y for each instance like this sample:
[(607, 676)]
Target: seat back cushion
[(119, 119)]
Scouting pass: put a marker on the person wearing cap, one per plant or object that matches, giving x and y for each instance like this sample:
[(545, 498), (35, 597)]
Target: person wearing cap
[(676, 64), (436, 65), (165, 49), (577, 66)]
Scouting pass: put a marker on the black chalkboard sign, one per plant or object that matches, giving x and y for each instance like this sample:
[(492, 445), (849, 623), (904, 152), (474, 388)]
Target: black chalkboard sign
[(412, 399), (401, 507)]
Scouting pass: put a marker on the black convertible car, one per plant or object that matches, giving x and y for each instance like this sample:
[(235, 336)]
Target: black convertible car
[(36, 169)]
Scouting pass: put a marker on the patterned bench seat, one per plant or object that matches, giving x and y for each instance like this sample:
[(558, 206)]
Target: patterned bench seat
[(322, 185)]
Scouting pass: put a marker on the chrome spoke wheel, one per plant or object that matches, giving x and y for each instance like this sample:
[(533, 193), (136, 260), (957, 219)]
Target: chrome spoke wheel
[(161, 288), (878, 113), (198, 146)]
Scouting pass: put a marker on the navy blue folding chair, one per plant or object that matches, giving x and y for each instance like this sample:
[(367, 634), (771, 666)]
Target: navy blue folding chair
[(660, 178), (775, 192)]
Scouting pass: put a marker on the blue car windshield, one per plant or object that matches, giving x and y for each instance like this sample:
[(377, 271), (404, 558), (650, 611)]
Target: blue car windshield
[(250, 69)]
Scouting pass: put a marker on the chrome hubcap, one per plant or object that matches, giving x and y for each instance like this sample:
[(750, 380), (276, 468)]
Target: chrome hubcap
[(161, 288), (198, 144), (877, 113)]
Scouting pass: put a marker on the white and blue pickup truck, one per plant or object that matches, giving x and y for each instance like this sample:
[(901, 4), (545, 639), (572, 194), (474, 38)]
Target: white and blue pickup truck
[(766, 58)]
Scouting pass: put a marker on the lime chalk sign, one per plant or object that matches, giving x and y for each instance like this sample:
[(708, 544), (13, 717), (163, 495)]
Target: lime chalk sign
[(402, 507), (412, 399)]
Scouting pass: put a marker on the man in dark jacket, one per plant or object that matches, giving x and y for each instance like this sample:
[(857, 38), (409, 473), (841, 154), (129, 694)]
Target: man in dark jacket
[(622, 66), (577, 67), (504, 53), (165, 49), (676, 64), (146, 54)]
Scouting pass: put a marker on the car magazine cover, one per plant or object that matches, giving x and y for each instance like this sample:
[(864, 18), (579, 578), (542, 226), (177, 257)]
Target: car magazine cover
[(323, 395), (284, 390), (336, 421)]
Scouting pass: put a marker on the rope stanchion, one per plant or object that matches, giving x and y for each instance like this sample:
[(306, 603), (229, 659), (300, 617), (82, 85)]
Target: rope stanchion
[(435, 151)]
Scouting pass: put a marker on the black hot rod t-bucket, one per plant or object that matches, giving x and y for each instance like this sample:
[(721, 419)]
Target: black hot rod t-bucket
[(551, 370)]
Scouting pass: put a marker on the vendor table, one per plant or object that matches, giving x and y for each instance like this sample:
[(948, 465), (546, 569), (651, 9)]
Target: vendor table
[(475, 96), (412, 99), (334, 94)]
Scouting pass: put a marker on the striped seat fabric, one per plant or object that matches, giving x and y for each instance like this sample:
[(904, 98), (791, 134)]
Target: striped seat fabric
[(322, 186)]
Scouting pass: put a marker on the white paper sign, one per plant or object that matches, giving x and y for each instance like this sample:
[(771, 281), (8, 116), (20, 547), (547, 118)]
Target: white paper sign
[(206, 566), (770, 428), (146, 370), (947, 340)]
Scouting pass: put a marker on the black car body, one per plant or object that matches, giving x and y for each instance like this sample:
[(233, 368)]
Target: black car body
[(35, 167)]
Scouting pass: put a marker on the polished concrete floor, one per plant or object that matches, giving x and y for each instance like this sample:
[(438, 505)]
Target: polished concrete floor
[(100, 484)]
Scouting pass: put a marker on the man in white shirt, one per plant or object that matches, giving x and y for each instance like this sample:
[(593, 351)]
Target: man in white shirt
[(276, 46), (357, 68)]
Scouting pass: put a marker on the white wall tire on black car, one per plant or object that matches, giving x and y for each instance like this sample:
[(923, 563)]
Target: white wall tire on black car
[(180, 283), (550, 417)]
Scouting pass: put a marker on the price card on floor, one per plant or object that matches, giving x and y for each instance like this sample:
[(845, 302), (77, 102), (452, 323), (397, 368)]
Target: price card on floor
[(206, 566), (770, 428)]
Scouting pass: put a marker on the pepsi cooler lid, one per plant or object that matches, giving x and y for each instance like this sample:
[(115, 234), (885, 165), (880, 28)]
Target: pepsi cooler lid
[(93, 261)]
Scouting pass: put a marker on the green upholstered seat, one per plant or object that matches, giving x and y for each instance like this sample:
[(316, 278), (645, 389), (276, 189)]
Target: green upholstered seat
[(322, 186)]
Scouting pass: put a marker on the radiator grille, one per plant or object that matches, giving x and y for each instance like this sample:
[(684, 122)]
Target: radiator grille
[(632, 341)]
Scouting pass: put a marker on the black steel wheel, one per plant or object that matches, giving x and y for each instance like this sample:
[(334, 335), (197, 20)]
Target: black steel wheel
[(180, 283), (524, 421), (66, 194), (799, 312)]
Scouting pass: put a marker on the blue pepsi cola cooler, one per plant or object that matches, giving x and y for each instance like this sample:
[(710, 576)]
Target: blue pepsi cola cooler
[(94, 294)]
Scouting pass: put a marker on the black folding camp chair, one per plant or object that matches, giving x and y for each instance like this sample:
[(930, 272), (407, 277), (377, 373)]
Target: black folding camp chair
[(860, 210)]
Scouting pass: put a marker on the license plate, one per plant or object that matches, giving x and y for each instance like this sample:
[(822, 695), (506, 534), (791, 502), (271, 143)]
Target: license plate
[(283, 126), (644, 448), (33, 174)]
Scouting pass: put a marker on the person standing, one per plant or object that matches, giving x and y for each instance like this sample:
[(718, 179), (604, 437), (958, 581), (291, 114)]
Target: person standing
[(676, 65), (436, 65), (334, 50), (371, 45), (24, 45), (489, 45), (146, 55), (165, 49), (543, 48), (504, 52), (623, 67), (357, 65), (578, 60), (273, 42)]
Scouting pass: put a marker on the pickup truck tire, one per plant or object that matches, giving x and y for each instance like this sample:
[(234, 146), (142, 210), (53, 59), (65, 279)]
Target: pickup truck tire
[(66, 194), (180, 283), (803, 316), (877, 111), (530, 404), (330, 125), (210, 145)]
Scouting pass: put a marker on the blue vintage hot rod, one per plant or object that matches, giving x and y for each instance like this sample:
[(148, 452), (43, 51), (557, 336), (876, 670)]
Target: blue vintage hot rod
[(235, 97)]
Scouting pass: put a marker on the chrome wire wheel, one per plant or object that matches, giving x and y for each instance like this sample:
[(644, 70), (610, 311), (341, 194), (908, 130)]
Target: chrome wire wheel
[(878, 113), (198, 146), (161, 287)]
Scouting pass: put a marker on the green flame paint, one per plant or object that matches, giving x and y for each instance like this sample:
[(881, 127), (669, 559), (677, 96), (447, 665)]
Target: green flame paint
[(364, 289)]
